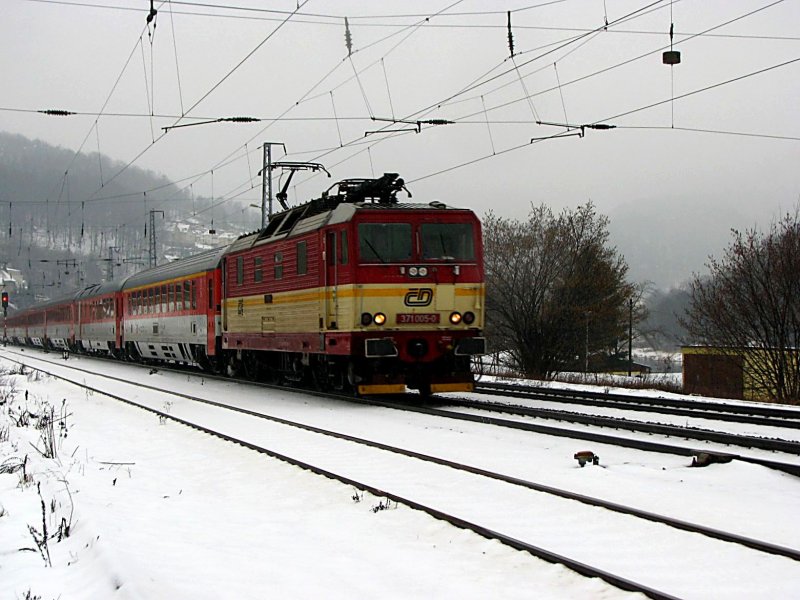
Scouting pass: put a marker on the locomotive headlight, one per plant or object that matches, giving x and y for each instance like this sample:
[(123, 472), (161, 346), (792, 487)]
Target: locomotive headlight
[(380, 318), (413, 271), (366, 319), (469, 318), (455, 318), (423, 271)]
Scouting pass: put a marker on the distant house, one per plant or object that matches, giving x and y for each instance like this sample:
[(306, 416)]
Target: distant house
[(11, 280), (726, 372)]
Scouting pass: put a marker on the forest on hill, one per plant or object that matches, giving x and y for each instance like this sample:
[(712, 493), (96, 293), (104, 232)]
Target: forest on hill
[(65, 219)]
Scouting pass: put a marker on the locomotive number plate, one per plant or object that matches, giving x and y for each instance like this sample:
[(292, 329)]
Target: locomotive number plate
[(417, 318)]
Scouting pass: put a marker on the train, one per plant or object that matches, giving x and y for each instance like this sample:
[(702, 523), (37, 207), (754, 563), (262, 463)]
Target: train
[(353, 291)]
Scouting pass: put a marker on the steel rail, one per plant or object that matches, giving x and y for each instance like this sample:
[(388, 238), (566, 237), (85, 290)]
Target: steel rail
[(696, 433), (603, 399)]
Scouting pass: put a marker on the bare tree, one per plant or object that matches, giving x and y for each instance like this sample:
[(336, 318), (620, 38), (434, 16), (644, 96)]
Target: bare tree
[(556, 292), (751, 300)]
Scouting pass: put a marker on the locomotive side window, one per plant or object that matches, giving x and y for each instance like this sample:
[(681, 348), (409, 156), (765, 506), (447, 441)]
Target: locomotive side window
[(239, 270), (302, 258), (257, 274), (384, 242), (343, 254), (447, 241), (330, 246), (278, 265)]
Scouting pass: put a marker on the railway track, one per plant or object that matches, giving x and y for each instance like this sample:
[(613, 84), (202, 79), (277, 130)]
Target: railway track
[(622, 582), (696, 433), (758, 415), (413, 405)]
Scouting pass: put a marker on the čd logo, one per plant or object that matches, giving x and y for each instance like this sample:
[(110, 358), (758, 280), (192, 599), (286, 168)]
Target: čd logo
[(418, 297)]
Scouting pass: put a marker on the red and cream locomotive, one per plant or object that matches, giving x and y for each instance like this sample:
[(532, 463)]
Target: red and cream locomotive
[(353, 290)]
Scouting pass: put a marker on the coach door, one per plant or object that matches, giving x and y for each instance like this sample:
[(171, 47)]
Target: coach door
[(331, 281), (118, 332), (210, 315)]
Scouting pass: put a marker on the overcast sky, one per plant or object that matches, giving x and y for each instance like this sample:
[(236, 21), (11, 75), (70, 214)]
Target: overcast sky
[(417, 60)]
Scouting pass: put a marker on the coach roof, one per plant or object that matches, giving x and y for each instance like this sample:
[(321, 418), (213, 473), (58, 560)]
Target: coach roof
[(183, 267), (98, 289)]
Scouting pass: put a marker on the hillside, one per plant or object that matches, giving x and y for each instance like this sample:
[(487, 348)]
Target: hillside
[(61, 218)]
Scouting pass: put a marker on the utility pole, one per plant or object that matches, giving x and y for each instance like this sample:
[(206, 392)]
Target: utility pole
[(110, 266), (266, 182), (630, 336), (586, 353), (153, 257)]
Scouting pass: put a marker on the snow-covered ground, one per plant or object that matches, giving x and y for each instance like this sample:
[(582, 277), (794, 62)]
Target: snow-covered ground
[(161, 511), (158, 510)]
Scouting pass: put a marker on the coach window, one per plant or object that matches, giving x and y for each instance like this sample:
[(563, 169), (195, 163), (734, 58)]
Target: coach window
[(171, 296), (211, 292), (302, 258), (239, 270), (194, 294), (278, 265), (163, 298), (257, 276), (187, 303)]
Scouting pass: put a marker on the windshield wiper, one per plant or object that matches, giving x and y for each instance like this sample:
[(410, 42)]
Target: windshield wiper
[(374, 251)]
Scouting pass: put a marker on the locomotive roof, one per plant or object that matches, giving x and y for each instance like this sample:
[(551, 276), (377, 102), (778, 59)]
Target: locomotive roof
[(339, 206), (182, 267), (306, 217)]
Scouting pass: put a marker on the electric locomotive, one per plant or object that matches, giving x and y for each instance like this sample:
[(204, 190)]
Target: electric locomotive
[(357, 290)]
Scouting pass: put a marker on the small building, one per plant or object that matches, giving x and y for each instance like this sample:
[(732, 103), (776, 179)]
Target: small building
[(726, 372)]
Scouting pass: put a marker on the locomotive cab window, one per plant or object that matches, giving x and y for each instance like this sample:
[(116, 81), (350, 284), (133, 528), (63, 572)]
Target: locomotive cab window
[(384, 242), (447, 241)]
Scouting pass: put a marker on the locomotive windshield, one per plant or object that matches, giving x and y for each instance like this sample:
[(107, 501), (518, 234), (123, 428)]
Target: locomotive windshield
[(447, 241), (384, 242)]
